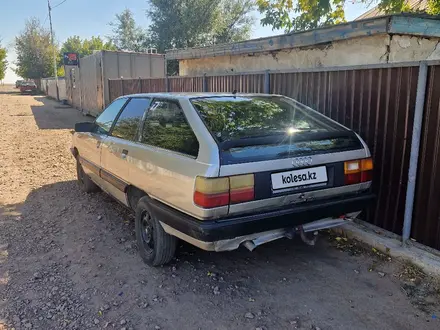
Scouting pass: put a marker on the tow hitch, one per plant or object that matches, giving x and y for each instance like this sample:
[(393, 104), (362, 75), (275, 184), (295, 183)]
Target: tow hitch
[(305, 238)]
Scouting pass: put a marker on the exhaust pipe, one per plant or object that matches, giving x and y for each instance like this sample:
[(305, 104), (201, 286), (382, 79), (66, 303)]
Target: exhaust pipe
[(311, 227), (250, 245), (265, 238)]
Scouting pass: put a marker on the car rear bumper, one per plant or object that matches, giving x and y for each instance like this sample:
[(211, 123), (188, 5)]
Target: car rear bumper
[(211, 234)]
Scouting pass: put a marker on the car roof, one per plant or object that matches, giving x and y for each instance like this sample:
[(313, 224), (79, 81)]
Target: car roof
[(192, 95)]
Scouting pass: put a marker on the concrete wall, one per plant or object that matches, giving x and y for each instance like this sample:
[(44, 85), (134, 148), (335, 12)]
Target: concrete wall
[(357, 51), (49, 87), (407, 48)]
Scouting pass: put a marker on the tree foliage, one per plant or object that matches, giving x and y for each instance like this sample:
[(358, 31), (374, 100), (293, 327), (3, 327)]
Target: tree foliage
[(301, 15), (34, 51), (3, 62), (434, 7), (191, 23), (127, 35), (85, 47), (234, 22)]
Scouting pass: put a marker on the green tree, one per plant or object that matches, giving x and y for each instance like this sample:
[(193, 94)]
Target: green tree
[(234, 21), (301, 15), (3, 62), (34, 51), (191, 23), (85, 47), (126, 34)]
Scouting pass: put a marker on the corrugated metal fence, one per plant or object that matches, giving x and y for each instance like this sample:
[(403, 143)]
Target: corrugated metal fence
[(426, 223), (377, 102), (378, 110), (245, 83)]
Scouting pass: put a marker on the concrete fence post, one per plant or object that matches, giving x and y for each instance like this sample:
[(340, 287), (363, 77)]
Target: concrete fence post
[(415, 146), (140, 85), (122, 87), (205, 83), (267, 82)]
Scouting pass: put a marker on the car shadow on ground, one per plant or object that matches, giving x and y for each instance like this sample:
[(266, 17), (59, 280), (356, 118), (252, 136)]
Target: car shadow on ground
[(86, 242), (50, 114)]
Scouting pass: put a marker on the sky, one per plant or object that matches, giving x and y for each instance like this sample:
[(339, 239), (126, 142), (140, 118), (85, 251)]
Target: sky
[(87, 18)]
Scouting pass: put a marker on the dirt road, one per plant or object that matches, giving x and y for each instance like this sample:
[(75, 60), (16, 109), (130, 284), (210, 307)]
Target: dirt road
[(68, 260)]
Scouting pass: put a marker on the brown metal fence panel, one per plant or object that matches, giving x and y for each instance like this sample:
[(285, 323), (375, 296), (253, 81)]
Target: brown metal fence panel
[(153, 85), (131, 86), (114, 88), (426, 216), (379, 105), (245, 83), (185, 84), (119, 87)]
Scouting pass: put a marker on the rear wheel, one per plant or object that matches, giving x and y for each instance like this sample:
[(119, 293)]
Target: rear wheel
[(85, 183), (156, 247)]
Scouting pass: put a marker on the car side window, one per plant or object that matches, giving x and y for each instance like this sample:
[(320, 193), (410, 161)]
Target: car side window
[(105, 119), (127, 125), (166, 127)]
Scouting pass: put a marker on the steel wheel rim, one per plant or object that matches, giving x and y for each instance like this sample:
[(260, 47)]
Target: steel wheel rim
[(147, 231)]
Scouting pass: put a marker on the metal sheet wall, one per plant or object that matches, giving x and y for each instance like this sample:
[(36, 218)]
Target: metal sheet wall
[(49, 87), (185, 84), (114, 89), (131, 86), (379, 105), (426, 216), (73, 91), (153, 85), (91, 84), (131, 66), (243, 83), (119, 87)]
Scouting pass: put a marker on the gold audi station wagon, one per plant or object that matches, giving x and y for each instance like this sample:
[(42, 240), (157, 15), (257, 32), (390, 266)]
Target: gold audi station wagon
[(223, 170)]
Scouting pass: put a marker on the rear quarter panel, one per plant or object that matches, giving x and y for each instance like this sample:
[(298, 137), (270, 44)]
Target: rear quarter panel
[(169, 177)]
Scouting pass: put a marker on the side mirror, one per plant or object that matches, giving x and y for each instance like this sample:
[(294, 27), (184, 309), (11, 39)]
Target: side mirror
[(85, 127)]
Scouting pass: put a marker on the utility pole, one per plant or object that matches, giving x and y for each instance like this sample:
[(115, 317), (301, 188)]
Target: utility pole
[(54, 50)]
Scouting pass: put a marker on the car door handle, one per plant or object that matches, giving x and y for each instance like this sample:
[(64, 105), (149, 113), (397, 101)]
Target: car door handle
[(124, 153), (98, 144)]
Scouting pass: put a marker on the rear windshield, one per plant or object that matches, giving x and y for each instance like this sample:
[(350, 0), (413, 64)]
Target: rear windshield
[(256, 128), (229, 118)]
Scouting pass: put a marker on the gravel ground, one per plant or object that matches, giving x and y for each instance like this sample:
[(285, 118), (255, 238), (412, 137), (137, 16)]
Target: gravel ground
[(68, 260)]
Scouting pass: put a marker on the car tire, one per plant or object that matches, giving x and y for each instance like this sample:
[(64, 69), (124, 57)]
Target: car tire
[(156, 247), (85, 183)]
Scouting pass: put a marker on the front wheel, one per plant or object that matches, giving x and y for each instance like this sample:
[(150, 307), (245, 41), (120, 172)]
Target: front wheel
[(156, 247)]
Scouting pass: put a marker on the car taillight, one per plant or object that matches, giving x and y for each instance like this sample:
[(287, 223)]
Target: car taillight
[(241, 188), (211, 193), (357, 171), (216, 192)]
